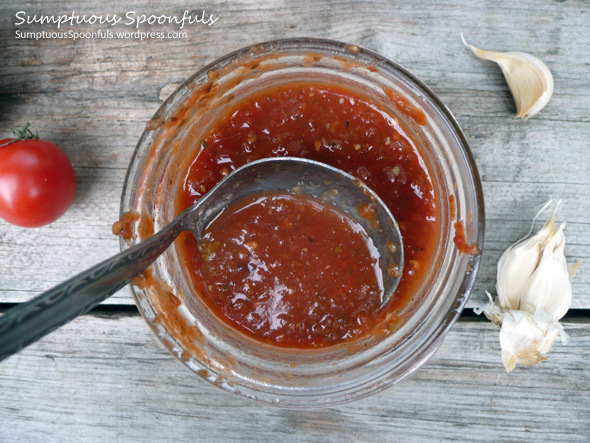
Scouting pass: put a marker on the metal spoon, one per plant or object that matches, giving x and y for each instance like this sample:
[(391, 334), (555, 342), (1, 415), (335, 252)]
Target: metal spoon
[(28, 322)]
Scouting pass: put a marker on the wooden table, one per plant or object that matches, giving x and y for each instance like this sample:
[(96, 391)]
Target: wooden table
[(104, 377)]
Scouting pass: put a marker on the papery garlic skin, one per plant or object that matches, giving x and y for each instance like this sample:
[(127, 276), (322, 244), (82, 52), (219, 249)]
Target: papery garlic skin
[(525, 337), (529, 79), (534, 292)]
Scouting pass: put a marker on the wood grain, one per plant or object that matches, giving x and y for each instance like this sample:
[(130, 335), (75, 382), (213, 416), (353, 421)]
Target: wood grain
[(105, 379)]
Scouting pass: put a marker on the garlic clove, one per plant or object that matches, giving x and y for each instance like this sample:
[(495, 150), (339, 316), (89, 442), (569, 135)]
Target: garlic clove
[(517, 264), (549, 287), (529, 79)]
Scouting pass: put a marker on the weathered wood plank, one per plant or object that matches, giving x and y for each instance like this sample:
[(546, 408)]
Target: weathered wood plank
[(42, 258), (108, 379), (69, 246), (93, 97)]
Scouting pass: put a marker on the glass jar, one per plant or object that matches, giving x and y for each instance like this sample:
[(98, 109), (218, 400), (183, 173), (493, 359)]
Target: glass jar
[(239, 364)]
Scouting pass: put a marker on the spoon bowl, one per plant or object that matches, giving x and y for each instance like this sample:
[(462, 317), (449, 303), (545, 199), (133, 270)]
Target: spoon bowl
[(330, 185)]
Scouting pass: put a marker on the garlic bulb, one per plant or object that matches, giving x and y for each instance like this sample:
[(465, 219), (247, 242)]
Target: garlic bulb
[(534, 292), (529, 79)]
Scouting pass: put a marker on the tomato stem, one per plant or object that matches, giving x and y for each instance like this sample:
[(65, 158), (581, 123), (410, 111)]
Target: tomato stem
[(25, 133), (22, 134)]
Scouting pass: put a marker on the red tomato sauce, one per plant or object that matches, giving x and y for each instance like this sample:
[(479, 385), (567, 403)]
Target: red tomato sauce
[(340, 127), (290, 269)]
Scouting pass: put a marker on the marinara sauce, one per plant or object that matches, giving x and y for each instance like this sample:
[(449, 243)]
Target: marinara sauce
[(331, 124), (290, 268)]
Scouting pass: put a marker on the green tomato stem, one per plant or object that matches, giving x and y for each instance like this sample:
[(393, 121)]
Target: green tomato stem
[(25, 133), (22, 134)]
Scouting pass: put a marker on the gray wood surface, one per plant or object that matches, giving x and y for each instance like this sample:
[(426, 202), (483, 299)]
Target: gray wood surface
[(105, 378)]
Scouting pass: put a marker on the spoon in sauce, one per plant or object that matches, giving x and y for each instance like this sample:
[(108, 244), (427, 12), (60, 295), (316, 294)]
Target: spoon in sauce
[(28, 322)]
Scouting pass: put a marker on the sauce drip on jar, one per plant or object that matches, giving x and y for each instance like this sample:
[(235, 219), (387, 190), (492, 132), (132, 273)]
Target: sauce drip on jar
[(338, 126)]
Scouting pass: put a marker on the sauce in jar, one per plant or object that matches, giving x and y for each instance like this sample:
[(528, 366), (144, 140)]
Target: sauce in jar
[(338, 126)]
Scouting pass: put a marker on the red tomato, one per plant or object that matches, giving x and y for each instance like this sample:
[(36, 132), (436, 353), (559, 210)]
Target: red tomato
[(37, 182)]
